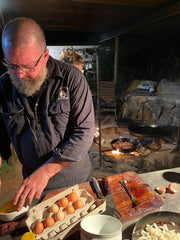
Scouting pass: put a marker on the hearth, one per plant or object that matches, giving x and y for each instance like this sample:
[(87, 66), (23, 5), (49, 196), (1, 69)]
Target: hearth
[(148, 154)]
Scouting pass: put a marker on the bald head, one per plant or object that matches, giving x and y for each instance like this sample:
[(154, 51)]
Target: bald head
[(21, 31)]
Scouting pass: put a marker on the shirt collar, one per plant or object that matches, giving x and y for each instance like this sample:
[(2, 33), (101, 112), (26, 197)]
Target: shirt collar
[(53, 66)]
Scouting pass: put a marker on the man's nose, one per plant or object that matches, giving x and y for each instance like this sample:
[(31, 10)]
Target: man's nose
[(20, 73)]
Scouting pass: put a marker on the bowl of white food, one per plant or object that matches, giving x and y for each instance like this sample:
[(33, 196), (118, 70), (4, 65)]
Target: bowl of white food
[(161, 224)]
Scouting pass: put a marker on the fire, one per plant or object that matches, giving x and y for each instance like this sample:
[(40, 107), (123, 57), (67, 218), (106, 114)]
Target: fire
[(117, 152)]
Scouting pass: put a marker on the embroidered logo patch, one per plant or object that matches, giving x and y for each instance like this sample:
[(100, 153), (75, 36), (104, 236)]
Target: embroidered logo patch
[(63, 93)]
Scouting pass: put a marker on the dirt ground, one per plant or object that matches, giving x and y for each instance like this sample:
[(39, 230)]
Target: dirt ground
[(11, 181)]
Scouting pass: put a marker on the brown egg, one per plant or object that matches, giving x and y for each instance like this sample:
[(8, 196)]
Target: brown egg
[(39, 227), (59, 216), (54, 208), (78, 204), (63, 202), (70, 209), (173, 187), (161, 189), (49, 222), (73, 197)]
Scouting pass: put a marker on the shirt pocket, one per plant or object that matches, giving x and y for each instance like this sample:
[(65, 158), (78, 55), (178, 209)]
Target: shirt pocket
[(14, 122), (59, 114)]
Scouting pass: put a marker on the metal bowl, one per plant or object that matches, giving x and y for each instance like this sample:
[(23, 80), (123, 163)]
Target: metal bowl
[(143, 130), (158, 218)]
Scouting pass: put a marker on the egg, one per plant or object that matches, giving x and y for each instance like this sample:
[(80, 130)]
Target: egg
[(49, 222), (173, 187), (73, 197), (63, 202), (78, 204), (8, 207), (59, 216), (70, 209), (39, 227), (54, 208), (161, 189)]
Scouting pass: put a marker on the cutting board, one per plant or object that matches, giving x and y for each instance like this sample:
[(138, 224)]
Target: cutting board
[(148, 200)]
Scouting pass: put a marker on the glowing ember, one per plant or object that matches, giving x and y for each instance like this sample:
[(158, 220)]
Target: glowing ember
[(117, 152), (137, 154), (96, 134)]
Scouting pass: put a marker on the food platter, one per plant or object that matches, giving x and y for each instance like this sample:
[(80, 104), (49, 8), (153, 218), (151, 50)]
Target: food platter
[(171, 219)]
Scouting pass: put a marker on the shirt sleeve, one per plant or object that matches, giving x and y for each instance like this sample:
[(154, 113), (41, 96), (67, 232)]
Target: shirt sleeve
[(81, 121)]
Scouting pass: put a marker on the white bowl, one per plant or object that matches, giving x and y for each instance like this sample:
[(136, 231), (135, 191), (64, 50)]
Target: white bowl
[(101, 227), (7, 217)]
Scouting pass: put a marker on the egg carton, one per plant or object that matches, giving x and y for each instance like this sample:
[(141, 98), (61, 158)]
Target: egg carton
[(70, 223)]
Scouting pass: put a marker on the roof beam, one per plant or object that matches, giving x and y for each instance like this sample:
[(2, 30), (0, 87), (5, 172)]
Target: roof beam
[(168, 11)]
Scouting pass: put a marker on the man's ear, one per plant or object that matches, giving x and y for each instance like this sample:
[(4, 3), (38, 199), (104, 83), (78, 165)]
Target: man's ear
[(46, 55)]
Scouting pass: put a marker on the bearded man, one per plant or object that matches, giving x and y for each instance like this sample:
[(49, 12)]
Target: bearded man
[(46, 112)]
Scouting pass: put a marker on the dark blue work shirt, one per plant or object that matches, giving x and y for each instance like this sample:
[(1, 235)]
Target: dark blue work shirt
[(59, 122)]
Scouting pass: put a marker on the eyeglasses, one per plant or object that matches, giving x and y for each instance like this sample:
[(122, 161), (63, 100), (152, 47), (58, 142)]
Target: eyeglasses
[(24, 68)]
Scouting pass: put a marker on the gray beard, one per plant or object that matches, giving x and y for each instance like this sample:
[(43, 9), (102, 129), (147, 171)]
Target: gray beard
[(27, 85)]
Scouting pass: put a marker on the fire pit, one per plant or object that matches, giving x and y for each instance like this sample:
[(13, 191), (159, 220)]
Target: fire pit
[(122, 151)]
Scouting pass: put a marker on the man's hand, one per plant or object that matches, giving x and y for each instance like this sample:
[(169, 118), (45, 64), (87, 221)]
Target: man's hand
[(34, 185), (31, 187)]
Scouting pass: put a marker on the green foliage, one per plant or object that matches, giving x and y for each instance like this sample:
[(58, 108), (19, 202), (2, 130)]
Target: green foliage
[(6, 168)]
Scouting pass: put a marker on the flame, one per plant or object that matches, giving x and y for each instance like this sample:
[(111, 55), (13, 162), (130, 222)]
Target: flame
[(117, 152)]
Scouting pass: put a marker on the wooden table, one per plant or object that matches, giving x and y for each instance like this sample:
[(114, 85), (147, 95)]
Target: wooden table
[(141, 185)]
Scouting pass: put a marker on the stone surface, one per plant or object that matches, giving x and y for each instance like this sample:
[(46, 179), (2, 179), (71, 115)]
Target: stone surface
[(162, 107)]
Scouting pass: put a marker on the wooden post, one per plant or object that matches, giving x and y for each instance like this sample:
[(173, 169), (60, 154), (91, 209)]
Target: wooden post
[(99, 109)]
